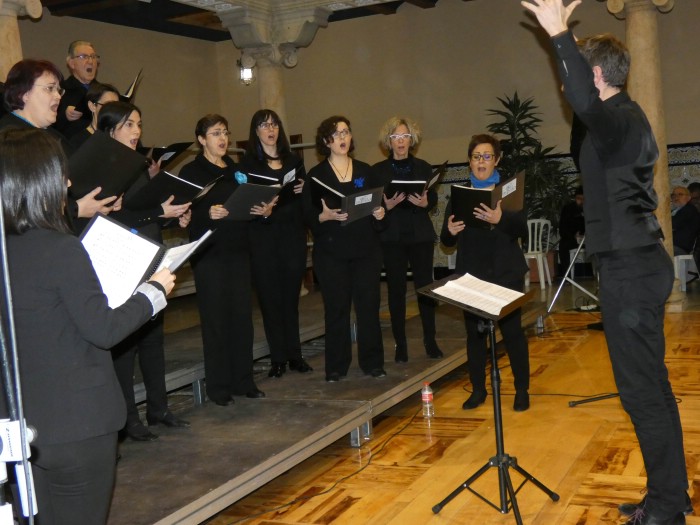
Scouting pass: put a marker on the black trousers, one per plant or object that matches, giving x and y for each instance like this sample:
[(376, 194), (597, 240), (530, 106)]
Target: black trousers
[(634, 286), (74, 481), (516, 347), (224, 296), (397, 257), (278, 256), (148, 342), (344, 282)]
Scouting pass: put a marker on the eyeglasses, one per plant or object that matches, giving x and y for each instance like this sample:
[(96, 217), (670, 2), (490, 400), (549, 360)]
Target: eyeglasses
[(220, 133), (405, 136), (341, 134), (87, 57), (52, 88), (268, 125), (486, 156)]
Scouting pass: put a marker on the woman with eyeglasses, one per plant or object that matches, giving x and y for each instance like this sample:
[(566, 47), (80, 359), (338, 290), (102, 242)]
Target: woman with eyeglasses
[(222, 268), (98, 95), (63, 327), (347, 258), (278, 242), (32, 94), (409, 237), (122, 122), (494, 255)]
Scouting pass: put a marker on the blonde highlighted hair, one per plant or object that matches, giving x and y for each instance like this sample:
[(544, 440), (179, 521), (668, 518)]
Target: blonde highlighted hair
[(390, 126)]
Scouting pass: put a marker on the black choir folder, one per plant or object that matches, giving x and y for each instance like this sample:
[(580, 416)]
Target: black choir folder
[(245, 197), (286, 184), (124, 258), (464, 199), (161, 187), (356, 205), (414, 186), (481, 298), (105, 162)]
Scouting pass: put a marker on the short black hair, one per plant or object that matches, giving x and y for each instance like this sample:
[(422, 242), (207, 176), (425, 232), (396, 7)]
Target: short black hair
[(113, 114), (610, 54), (206, 122)]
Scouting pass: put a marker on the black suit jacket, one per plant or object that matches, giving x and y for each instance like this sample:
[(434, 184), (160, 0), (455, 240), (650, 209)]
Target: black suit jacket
[(64, 332)]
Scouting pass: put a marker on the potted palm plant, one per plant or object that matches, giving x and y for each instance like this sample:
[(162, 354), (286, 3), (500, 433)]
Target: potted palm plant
[(548, 188)]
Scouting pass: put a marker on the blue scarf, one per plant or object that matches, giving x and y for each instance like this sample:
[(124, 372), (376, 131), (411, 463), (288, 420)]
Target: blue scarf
[(491, 181)]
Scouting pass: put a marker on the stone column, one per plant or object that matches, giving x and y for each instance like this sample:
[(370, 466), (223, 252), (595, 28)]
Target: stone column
[(269, 37), (10, 43)]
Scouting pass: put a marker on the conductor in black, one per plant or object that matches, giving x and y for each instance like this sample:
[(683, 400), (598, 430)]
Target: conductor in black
[(636, 273)]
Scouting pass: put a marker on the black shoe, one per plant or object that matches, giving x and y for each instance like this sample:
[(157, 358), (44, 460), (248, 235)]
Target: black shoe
[(277, 370), (627, 509), (222, 401), (377, 372), (300, 365), (169, 420), (477, 398), (332, 378), (640, 517), (431, 348), (522, 401), (401, 355), (138, 432), (255, 393)]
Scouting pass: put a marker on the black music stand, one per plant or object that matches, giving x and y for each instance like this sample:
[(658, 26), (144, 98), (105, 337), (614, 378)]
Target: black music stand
[(502, 461)]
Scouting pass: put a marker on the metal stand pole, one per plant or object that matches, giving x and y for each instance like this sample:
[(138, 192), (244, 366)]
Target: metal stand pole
[(502, 461), (566, 278)]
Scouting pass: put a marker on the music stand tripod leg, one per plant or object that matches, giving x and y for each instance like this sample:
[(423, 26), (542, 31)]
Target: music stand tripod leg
[(501, 460)]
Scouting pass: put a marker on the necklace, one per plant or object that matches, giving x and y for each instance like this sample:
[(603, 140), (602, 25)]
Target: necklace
[(343, 178)]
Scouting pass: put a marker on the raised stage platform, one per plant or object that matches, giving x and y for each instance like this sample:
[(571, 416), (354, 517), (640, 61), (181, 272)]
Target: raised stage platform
[(188, 475)]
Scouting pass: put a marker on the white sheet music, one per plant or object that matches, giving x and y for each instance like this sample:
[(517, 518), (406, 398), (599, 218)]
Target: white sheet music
[(120, 258), (482, 295), (175, 257)]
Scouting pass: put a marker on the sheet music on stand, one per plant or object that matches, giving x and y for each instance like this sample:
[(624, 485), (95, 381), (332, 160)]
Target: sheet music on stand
[(479, 297)]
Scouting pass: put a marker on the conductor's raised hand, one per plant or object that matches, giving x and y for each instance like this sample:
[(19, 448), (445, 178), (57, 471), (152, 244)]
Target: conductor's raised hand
[(453, 226), (165, 278), (173, 211), (552, 15), (393, 201), (329, 214), (486, 214)]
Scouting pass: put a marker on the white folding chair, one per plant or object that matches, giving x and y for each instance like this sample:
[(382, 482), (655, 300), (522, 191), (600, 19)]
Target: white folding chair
[(539, 231)]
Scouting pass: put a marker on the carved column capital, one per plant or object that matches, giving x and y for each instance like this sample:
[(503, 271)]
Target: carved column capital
[(273, 35), (617, 7), (31, 8)]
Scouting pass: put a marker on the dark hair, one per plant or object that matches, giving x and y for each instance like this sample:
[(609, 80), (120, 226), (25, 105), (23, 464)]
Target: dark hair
[(694, 186), (32, 180), (114, 114), (484, 139), (610, 54), (206, 122), (97, 89), (578, 190), (21, 77), (324, 134), (254, 147)]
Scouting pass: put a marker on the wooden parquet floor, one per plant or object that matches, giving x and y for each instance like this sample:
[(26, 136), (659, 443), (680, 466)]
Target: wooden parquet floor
[(587, 454)]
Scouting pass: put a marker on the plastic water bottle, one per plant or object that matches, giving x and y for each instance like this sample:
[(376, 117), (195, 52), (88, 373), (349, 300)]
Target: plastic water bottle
[(427, 397)]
